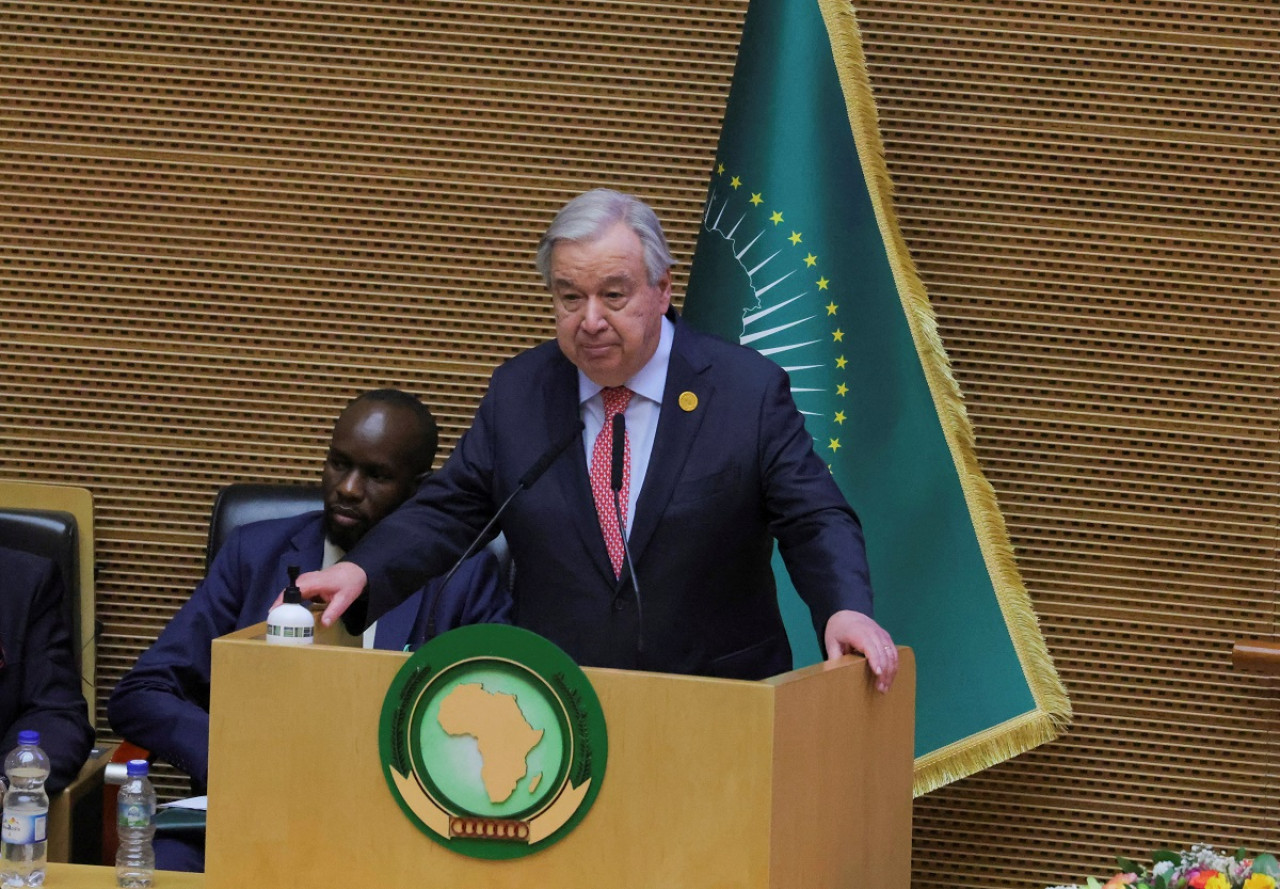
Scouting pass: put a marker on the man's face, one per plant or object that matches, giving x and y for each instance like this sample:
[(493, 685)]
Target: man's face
[(369, 470), (608, 316)]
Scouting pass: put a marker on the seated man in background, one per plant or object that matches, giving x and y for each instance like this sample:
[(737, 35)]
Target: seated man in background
[(383, 445), (39, 683)]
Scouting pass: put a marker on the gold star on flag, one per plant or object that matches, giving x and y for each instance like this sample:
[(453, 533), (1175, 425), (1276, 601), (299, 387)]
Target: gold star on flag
[(838, 335), (840, 417), (756, 199), (834, 444), (841, 362), (842, 390), (735, 182), (822, 283), (795, 238), (811, 260), (831, 308), (775, 217), (719, 169)]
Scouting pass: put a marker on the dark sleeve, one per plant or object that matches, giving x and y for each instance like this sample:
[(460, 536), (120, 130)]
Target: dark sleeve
[(819, 536), (162, 704), (51, 700), (475, 594), (483, 595)]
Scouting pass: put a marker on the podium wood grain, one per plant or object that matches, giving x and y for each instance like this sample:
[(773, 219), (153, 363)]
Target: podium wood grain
[(801, 780), (91, 876)]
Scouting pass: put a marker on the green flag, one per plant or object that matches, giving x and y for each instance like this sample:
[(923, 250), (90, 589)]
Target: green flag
[(800, 257)]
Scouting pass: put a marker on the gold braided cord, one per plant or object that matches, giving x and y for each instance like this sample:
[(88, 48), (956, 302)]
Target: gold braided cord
[(1052, 712)]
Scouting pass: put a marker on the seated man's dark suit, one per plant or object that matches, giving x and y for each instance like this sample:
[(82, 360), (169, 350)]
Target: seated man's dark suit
[(732, 469), (162, 704), (39, 683)]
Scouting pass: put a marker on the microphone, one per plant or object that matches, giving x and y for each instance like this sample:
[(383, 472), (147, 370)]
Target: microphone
[(543, 464), (526, 481), (619, 452)]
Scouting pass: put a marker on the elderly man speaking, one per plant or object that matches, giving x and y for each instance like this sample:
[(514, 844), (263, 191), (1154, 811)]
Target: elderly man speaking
[(713, 466)]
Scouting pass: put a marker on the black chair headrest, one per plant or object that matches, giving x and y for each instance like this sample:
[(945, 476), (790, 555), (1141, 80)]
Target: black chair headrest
[(242, 503), (51, 534)]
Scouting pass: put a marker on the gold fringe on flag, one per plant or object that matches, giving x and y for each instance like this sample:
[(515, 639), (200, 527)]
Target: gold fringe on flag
[(1052, 712)]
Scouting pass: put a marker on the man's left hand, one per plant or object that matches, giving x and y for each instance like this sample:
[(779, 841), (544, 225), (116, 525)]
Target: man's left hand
[(850, 631)]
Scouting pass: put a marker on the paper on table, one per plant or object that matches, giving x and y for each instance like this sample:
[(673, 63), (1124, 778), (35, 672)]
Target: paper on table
[(191, 802)]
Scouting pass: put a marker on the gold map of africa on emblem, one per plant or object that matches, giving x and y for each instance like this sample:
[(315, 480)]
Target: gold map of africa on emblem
[(492, 757), (688, 401)]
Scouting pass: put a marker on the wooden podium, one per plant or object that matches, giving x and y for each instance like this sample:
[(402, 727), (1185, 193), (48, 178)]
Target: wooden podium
[(803, 780)]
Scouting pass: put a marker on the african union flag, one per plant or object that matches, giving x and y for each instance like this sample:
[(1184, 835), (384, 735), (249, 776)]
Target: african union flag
[(800, 257)]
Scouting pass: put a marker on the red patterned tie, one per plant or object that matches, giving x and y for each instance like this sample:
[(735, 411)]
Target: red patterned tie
[(615, 402)]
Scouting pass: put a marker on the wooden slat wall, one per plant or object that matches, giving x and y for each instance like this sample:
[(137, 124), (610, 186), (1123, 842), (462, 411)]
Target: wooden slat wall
[(218, 222), (1090, 191)]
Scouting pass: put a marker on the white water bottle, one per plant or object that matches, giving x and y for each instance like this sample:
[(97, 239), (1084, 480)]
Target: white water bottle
[(26, 815), (135, 828)]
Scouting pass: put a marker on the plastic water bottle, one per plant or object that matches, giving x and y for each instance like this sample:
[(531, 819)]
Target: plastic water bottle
[(26, 814), (135, 827)]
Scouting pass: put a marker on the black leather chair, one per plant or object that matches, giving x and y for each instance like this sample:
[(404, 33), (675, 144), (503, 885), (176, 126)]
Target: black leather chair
[(54, 535), (244, 502), (75, 814)]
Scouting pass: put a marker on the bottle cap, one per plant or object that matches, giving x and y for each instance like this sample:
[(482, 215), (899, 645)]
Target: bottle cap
[(29, 737), (293, 595), (137, 768)]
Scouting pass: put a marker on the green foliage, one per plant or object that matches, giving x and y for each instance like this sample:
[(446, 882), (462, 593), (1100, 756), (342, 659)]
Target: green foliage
[(1267, 864)]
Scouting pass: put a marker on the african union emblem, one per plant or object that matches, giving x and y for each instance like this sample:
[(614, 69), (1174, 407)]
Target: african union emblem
[(493, 741)]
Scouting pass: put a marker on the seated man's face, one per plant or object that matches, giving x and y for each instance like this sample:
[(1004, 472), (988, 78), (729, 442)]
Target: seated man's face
[(372, 467)]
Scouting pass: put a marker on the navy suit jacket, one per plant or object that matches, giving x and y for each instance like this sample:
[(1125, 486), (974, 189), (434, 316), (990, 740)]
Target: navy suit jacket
[(39, 683), (732, 469), (162, 704)]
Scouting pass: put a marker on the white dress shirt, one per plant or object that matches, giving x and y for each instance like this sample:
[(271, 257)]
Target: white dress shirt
[(641, 413)]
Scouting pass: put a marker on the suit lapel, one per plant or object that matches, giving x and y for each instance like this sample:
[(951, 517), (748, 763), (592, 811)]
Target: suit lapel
[(677, 429)]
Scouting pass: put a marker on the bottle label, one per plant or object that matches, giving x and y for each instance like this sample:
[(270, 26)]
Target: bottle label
[(23, 829), (132, 815), (290, 635)]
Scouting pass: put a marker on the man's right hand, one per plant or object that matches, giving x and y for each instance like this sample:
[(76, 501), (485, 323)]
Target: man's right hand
[(337, 586)]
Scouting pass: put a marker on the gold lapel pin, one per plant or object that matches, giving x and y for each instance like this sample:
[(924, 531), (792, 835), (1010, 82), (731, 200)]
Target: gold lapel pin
[(688, 401)]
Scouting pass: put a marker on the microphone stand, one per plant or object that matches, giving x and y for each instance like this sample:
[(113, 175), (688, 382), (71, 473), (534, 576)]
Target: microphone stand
[(619, 443), (526, 481)]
